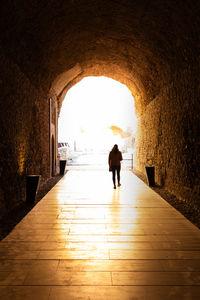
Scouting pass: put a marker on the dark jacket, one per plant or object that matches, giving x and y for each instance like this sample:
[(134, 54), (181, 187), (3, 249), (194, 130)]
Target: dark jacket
[(114, 158)]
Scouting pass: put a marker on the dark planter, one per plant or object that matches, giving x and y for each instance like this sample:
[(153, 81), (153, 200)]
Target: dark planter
[(32, 182), (62, 166), (150, 175)]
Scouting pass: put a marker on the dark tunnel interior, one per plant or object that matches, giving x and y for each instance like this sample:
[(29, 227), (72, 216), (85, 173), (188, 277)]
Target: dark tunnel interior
[(150, 46)]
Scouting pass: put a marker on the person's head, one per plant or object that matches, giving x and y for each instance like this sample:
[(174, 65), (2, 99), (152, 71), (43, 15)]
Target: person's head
[(115, 148)]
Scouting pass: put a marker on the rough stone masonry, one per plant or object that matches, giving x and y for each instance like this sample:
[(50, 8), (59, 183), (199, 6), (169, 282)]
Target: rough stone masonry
[(151, 46)]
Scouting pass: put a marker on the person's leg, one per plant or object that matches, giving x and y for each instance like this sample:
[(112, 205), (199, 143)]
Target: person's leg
[(118, 175), (113, 175)]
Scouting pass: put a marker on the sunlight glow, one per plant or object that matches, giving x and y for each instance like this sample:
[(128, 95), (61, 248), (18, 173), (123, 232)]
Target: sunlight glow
[(97, 113)]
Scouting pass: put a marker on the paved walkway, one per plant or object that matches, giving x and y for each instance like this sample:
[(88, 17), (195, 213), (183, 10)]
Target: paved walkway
[(84, 240)]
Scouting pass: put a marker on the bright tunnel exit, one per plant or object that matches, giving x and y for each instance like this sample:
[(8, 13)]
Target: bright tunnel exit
[(96, 113)]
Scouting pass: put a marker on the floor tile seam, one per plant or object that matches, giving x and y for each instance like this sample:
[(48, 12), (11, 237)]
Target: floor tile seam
[(109, 221), (58, 263), (61, 270), (162, 260), (178, 236), (60, 260), (133, 226), (90, 251), (111, 278), (158, 249), (15, 242), (70, 236), (109, 255), (85, 271), (49, 292), (32, 260), (95, 202), (121, 222), (103, 285), (114, 250), (154, 271), (83, 235), (111, 215), (86, 285), (66, 247), (87, 222), (53, 285), (118, 235), (144, 259), (99, 259), (103, 259), (85, 206)]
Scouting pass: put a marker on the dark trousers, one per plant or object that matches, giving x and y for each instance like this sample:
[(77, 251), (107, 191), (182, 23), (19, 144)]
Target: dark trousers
[(116, 169)]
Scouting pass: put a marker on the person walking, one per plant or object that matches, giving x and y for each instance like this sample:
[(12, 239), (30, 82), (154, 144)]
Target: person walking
[(114, 161)]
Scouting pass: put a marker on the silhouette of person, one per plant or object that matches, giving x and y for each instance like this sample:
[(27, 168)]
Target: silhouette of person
[(114, 161)]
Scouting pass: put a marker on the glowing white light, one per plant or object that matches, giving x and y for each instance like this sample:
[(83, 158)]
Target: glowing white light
[(91, 107)]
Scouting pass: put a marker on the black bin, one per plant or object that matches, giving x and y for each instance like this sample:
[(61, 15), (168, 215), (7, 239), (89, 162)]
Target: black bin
[(150, 175), (62, 166), (32, 182)]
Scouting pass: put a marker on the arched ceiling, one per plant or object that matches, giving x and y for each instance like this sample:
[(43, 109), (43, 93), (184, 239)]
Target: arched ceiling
[(140, 43)]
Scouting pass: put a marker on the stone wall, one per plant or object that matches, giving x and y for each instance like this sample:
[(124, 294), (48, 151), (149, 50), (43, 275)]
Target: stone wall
[(151, 46), (168, 137), (24, 128)]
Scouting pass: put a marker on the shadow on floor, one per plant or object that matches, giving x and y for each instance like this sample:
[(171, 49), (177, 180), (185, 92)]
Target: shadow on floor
[(187, 210), (17, 214)]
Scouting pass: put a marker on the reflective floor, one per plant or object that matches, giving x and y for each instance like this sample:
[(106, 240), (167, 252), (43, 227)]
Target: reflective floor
[(84, 240)]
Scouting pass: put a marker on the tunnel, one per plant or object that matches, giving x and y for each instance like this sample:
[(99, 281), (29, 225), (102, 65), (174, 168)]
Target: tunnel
[(150, 46)]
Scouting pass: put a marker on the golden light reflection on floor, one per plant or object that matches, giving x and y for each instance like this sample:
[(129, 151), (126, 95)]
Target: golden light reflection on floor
[(85, 240)]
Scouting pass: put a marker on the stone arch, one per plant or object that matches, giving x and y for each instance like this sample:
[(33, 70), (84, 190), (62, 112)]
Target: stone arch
[(151, 46), (67, 79)]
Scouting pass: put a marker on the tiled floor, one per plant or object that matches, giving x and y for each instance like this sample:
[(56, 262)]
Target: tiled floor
[(85, 240)]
